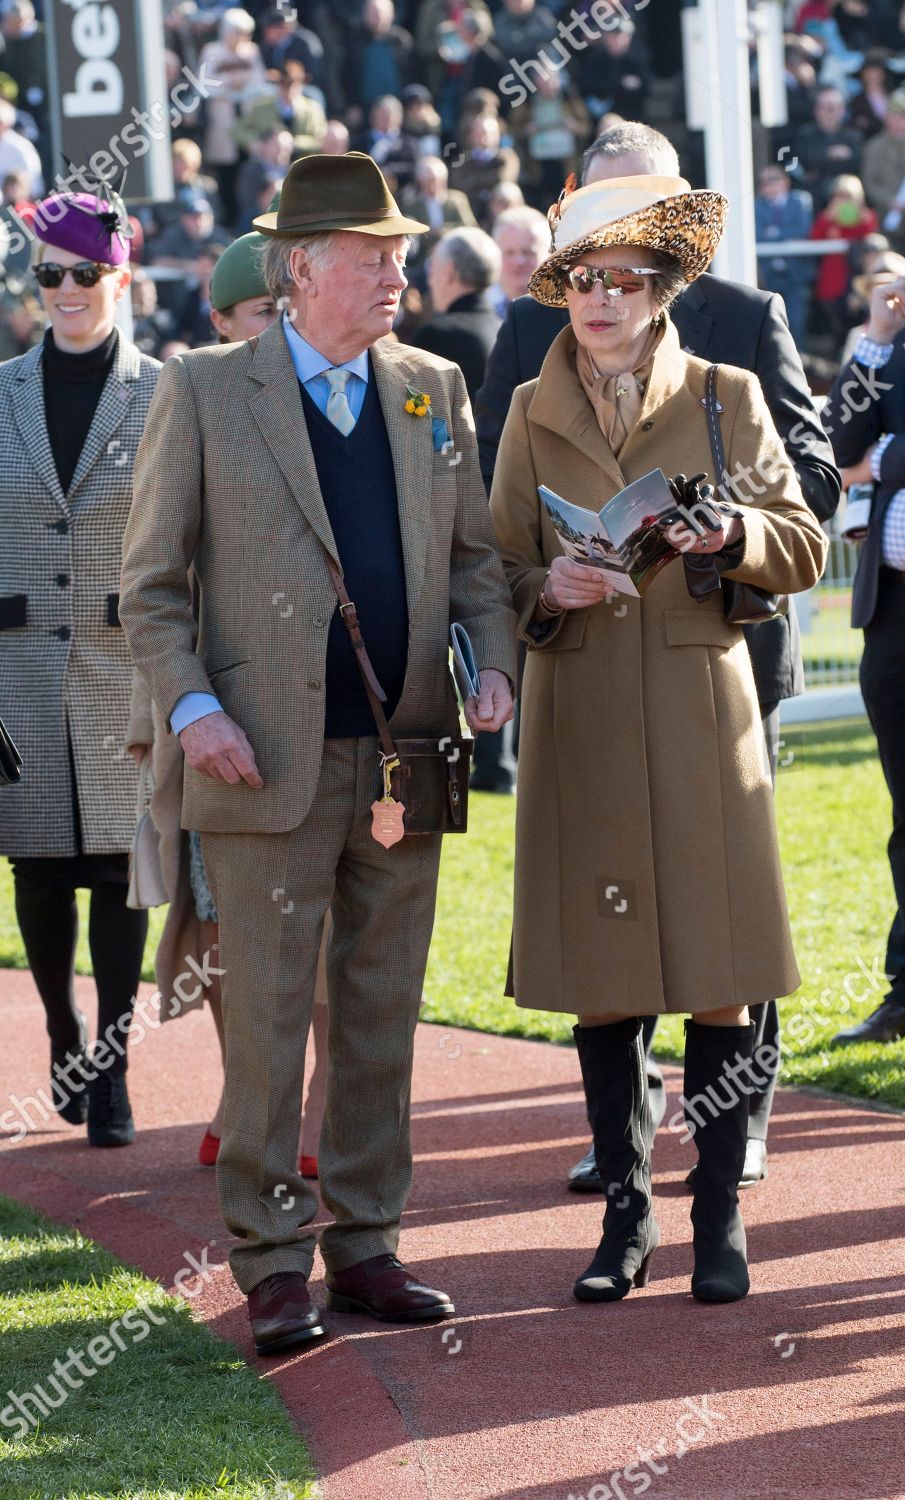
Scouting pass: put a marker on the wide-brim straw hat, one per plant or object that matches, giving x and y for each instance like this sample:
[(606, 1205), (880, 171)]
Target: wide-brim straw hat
[(888, 267), (321, 194), (661, 213)]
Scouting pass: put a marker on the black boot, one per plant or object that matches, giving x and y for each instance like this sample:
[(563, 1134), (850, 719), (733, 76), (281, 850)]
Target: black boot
[(612, 1066), (110, 1120), (716, 1110), (68, 1084)]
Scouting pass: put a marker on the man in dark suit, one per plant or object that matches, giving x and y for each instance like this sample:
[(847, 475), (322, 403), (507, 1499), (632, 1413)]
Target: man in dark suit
[(727, 324), (865, 414), (464, 326)]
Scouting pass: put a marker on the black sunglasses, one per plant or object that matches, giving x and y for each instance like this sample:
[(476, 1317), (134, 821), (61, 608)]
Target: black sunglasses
[(48, 273)]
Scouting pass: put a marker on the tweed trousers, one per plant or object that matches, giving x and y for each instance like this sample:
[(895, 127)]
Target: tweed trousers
[(273, 891)]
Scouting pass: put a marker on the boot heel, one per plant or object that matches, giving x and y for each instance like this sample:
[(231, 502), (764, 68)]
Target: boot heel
[(642, 1275)]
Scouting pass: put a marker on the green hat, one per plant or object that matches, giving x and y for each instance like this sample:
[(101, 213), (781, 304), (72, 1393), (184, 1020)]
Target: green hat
[(323, 193), (237, 274)]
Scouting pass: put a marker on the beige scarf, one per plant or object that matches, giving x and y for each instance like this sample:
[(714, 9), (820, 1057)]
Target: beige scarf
[(617, 399)]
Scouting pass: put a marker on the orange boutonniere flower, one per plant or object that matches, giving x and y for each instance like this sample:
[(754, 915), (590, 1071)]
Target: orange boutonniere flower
[(418, 403)]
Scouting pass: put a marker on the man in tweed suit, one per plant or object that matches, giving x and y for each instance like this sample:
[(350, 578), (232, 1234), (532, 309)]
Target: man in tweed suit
[(260, 461)]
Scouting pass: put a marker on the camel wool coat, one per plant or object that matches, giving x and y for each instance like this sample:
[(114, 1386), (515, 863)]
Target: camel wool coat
[(647, 875)]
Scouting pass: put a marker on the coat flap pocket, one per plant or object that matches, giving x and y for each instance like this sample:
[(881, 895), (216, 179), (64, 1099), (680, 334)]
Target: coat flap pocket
[(699, 627), (13, 611), (215, 672)]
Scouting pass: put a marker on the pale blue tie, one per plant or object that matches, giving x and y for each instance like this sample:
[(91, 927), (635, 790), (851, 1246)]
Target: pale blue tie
[(339, 412)]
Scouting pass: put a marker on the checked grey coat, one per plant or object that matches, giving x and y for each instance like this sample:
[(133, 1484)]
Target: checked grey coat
[(63, 652)]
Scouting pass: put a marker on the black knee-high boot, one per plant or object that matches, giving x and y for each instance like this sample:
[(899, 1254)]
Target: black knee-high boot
[(612, 1066), (716, 1110)]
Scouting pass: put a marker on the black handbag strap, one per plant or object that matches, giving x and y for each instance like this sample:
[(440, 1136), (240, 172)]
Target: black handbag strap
[(712, 409), (376, 695)]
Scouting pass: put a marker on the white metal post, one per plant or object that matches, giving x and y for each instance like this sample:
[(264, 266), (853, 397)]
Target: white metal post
[(725, 82)]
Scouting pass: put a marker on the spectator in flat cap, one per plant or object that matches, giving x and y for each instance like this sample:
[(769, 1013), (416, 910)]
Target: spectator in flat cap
[(285, 105), (182, 244), (420, 120)]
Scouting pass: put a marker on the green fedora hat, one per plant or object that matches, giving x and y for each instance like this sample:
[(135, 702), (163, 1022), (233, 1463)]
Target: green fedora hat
[(238, 276), (324, 193)]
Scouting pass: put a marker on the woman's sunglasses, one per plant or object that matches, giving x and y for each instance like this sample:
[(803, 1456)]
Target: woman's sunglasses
[(616, 281), (48, 273)]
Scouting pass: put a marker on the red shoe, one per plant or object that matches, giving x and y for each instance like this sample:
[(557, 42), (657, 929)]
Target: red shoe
[(308, 1166), (209, 1150)]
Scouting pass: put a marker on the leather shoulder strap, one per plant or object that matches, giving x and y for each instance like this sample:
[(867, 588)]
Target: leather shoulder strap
[(712, 409), (376, 695)]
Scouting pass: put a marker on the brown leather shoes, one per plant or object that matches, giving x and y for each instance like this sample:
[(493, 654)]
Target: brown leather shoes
[(282, 1314), (382, 1288)]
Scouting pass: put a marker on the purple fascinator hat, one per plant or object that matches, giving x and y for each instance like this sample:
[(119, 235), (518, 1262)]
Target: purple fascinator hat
[(94, 226)]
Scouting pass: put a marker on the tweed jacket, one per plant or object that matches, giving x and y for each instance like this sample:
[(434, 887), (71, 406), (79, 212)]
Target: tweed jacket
[(63, 655), (225, 481)]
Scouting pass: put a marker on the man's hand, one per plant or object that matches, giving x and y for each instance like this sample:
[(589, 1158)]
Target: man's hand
[(493, 707), (887, 311), (573, 585), (138, 752), (217, 747), (859, 473)]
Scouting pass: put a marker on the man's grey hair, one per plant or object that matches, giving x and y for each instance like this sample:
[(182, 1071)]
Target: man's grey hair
[(631, 138), (520, 216), (319, 248), (473, 255)]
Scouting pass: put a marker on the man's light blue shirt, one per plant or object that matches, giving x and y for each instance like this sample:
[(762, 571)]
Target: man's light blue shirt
[(309, 365)]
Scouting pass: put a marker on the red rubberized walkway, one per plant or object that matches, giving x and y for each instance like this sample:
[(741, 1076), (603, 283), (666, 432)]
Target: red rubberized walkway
[(525, 1395)]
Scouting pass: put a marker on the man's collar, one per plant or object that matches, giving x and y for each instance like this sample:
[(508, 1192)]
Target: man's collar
[(309, 362)]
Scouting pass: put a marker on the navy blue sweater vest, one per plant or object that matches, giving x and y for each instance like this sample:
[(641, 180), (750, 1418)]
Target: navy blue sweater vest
[(358, 483)]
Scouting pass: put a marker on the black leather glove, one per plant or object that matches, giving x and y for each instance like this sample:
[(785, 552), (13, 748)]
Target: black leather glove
[(698, 509)]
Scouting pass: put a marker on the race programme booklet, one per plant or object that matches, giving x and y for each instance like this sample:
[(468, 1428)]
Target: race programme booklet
[(626, 538)]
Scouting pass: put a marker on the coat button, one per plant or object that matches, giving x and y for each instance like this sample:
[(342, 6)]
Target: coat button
[(63, 633), (61, 526), (646, 426), (63, 580), (313, 684), (319, 620)]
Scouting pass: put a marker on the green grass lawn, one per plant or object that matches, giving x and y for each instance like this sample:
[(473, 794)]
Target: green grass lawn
[(834, 819), (175, 1415)]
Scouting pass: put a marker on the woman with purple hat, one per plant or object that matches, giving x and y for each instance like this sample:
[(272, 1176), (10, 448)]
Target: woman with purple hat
[(72, 411)]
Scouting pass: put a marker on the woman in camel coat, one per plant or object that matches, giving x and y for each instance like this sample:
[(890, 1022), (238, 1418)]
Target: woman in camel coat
[(647, 871)]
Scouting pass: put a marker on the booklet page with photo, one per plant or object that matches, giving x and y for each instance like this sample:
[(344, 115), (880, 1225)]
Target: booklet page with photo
[(626, 539)]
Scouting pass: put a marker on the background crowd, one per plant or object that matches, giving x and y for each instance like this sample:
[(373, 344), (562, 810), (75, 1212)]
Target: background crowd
[(435, 91)]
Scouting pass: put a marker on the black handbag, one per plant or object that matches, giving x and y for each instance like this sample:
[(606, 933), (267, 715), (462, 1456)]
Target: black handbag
[(10, 759), (428, 774), (744, 603)]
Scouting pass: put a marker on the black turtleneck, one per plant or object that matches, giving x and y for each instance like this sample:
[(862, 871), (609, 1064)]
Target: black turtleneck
[(72, 389)]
